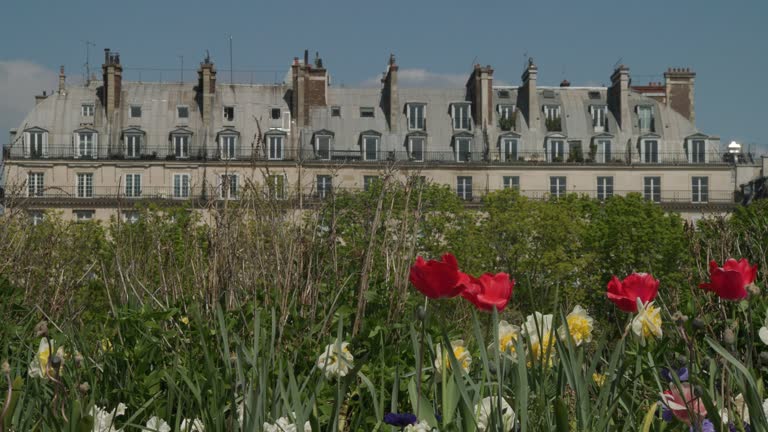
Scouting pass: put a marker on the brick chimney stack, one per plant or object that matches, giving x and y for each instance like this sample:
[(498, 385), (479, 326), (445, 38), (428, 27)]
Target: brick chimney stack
[(679, 89), (527, 99), (62, 79), (390, 101), (618, 97), (113, 79), (479, 88), (310, 88), (206, 76)]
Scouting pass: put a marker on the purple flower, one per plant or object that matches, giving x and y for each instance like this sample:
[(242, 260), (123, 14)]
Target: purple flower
[(399, 419), (706, 426), (666, 414), (732, 427), (682, 374)]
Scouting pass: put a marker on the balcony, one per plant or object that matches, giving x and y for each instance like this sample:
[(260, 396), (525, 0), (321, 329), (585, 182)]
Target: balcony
[(493, 157)]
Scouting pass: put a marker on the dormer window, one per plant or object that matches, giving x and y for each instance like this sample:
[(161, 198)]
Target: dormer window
[(645, 118), (134, 111), (506, 116), (133, 143), (35, 143), (603, 150), (228, 146), (599, 120), (370, 144), (276, 114), (86, 110), (416, 116), (697, 150), (323, 142), (509, 148), (180, 141), (367, 112), (503, 94), (276, 143), (182, 112), (552, 118), (416, 146), (86, 142), (462, 118), (229, 113), (463, 147), (649, 150)]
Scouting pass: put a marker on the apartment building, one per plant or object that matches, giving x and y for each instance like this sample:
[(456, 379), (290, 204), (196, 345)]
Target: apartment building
[(94, 151)]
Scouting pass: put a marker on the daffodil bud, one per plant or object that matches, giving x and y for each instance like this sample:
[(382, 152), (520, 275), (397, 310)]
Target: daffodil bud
[(6, 368), (84, 388), (679, 318), (78, 359), (492, 368), (41, 329), (699, 324), (729, 337), (421, 313), (56, 362)]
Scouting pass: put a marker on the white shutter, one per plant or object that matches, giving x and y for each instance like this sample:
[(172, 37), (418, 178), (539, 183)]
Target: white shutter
[(566, 149), (75, 145), (95, 145), (26, 144), (45, 144), (547, 156)]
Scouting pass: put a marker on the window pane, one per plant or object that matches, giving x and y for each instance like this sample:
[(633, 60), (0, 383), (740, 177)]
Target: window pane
[(371, 144), (323, 147), (417, 149)]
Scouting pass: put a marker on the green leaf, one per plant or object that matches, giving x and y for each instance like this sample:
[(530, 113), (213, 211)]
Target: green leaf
[(425, 409)]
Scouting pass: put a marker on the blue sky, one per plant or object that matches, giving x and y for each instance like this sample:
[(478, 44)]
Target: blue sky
[(435, 43)]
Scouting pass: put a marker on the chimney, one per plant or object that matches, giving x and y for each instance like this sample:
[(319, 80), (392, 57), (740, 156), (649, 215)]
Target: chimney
[(679, 89), (565, 83), (113, 78), (479, 88), (62, 79), (527, 99), (618, 97), (390, 102), (206, 87), (310, 88), (40, 98)]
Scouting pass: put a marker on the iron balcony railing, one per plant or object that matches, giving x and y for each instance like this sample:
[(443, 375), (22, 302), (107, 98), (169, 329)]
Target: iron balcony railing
[(302, 154)]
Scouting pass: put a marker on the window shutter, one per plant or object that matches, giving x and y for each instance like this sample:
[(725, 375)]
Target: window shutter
[(566, 149), (45, 144), (547, 156), (95, 145), (75, 143), (26, 144)]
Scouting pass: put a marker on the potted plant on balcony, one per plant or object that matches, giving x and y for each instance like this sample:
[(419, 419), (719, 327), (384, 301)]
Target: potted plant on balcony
[(507, 123), (553, 124)]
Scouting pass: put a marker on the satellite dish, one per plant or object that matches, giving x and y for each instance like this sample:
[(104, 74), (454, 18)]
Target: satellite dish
[(734, 147)]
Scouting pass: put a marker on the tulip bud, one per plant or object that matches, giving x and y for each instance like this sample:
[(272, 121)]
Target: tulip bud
[(233, 358), (753, 289), (84, 388), (679, 318), (681, 359), (729, 337), (78, 359), (6, 368), (764, 358), (56, 362), (41, 329), (421, 313), (492, 368), (699, 324)]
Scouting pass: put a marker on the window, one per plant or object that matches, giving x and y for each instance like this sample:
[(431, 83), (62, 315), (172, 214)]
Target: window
[(324, 185), (84, 215), (35, 184), (37, 143), (549, 94), (86, 110), (182, 112), (650, 149), (275, 147), (463, 149), (133, 146), (323, 147), (134, 111), (416, 116), (464, 187), (594, 95), (369, 181), (506, 112), (335, 111), (604, 188), (133, 185), (130, 216), (557, 186), (181, 146), (511, 182), (366, 112), (556, 151), (370, 147), (645, 118), (462, 119), (552, 117), (181, 185), (652, 189), (276, 114), (603, 151), (599, 120), (36, 217), (84, 185), (416, 148), (85, 147), (509, 149), (228, 147), (503, 94), (697, 151), (229, 186), (276, 184), (700, 189), (229, 113)]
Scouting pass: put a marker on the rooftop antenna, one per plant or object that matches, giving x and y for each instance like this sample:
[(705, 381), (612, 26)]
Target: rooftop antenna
[(526, 59), (231, 71), (474, 62), (182, 68), (88, 45), (618, 62)]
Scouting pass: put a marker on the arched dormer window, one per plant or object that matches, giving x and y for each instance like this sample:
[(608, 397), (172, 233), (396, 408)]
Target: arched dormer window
[(462, 146), (696, 148), (417, 146), (369, 145), (601, 148), (322, 142), (509, 147), (35, 143), (86, 143), (556, 147), (133, 143), (648, 148), (275, 139), (180, 143), (229, 148)]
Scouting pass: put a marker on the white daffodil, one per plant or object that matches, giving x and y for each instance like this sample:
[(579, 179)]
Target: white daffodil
[(39, 367), (487, 409), (103, 420), (336, 361), (763, 333), (156, 424), (508, 335), (285, 424), (189, 425), (740, 408), (580, 326), (463, 357), (421, 426), (647, 323), (538, 327)]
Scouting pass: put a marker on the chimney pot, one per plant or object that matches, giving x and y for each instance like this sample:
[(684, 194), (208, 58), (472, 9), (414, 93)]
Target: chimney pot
[(565, 83)]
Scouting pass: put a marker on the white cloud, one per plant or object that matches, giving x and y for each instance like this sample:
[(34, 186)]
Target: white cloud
[(422, 78), (20, 81)]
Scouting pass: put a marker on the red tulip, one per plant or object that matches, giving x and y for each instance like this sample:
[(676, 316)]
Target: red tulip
[(731, 280), (436, 279), (624, 294), (489, 290)]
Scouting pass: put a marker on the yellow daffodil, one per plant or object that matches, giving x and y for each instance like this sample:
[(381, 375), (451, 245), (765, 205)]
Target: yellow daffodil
[(106, 345), (463, 357), (647, 323), (538, 328), (184, 320), (336, 360), (40, 367), (598, 378), (579, 326), (508, 335)]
